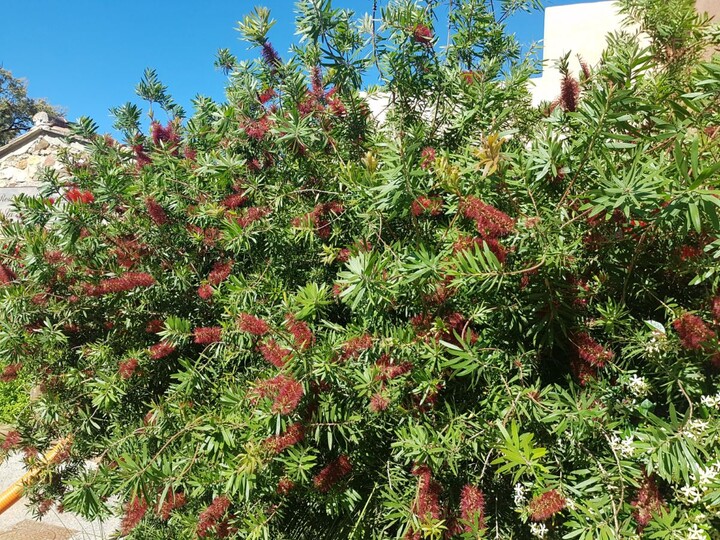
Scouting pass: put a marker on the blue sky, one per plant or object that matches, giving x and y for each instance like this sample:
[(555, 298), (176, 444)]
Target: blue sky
[(88, 55)]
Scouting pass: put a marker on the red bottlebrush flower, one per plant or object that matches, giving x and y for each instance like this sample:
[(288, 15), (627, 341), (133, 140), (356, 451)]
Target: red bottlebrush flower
[(156, 212), (427, 502), (266, 95), (172, 502), (285, 392), (590, 351), (12, 440), (161, 350), (426, 205), (205, 291), (715, 308), (141, 158), (127, 368), (253, 325), (354, 346), (45, 506), (489, 221), (289, 394), (309, 105), (123, 283), (584, 373), (55, 257), (337, 290), (190, 153), (693, 331), (285, 486), (254, 165), (134, 512), (316, 82), (546, 505), (569, 93), (257, 129), (210, 517), (422, 34), (274, 353), (10, 372), (422, 322), (210, 236), (456, 323), (390, 370), (234, 200), (337, 107), (154, 326), (585, 69), (207, 335), (323, 229), (129, 251), (332, 473), (379, 403), (165, 134), (270, 56), (333, 207), (7, 276), (294, 434), (315, 219), (74, 195), (648, 502), (343, 255), (253, 214), (472, 508), (220, 272), (468, 242), (690, 253), (300, 331), (428, 157)]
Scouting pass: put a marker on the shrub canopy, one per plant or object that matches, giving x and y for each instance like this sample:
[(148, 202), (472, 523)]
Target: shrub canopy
[(280, 318)]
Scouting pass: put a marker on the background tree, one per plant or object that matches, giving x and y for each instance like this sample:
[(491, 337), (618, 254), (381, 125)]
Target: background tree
[(16, 108), (281, 319)]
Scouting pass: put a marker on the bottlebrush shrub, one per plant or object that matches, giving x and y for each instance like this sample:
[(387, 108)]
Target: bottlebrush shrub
[(280, 319)]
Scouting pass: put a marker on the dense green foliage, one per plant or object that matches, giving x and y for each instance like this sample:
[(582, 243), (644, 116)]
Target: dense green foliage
[(282, 319), (13, 399)]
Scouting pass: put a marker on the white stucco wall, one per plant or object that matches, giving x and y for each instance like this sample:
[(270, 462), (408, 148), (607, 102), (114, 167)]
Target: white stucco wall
[(578, 29)]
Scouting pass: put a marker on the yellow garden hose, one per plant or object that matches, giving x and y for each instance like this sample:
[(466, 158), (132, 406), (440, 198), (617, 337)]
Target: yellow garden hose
[(15, 492)]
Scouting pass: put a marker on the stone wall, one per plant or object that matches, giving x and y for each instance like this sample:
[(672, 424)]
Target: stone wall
[(23, 158)]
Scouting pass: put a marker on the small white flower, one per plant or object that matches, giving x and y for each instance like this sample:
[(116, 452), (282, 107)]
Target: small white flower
[(711, 402), (707, 476), (519, 496), (690, 494), (696, 533), (638, 386), (624, 447), (538, 530), (695, 428)]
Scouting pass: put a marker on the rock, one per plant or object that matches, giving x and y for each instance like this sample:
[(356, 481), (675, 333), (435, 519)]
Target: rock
[(42, 144), (41, 118)]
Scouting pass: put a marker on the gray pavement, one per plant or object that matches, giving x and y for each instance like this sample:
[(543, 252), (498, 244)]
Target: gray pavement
[(18, 523)]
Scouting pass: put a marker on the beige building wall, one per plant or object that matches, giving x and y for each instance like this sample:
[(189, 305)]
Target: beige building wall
[(582, 29), (711, 7), (577, 29)]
